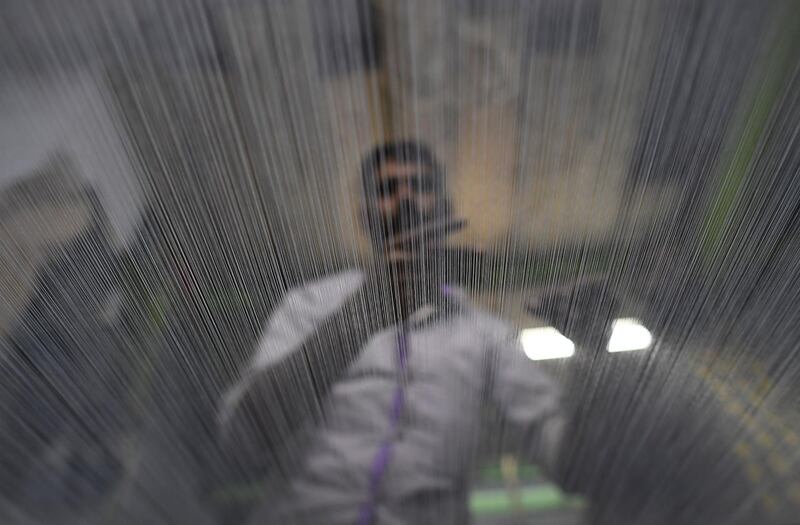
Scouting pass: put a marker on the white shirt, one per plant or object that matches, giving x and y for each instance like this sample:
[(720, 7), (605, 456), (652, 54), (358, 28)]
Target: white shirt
[(456, 363)]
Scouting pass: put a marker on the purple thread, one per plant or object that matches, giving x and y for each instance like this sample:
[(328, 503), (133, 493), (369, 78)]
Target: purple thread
[(384, 455)]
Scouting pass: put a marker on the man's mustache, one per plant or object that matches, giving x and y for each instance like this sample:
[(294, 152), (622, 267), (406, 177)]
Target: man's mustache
[(406, 217), (404, 220), (436, 229), (408, 225)]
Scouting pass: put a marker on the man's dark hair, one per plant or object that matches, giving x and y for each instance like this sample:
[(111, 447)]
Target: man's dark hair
[(404, 152)]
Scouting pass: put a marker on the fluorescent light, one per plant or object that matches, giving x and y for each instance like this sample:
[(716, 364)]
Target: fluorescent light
[(545, 343), (629, 334)]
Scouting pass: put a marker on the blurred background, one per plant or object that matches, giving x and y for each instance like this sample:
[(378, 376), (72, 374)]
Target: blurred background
[(170, 169)]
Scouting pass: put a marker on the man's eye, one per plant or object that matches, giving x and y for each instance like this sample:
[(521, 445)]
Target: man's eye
[(387, 188)]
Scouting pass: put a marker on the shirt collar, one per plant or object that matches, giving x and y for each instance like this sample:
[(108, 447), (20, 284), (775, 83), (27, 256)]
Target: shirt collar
[(430, 312)]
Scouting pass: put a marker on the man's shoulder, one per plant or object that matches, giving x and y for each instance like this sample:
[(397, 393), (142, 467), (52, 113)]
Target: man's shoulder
[(490, 325)]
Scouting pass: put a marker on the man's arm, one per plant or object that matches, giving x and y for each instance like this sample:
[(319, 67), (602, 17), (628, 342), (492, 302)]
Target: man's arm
[(276, 396), (529, 401)]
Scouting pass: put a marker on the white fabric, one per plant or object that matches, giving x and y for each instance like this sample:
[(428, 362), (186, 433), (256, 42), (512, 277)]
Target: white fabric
[(436, 443)]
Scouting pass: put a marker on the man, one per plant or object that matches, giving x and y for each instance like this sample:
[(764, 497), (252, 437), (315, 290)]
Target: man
[(367, 387)]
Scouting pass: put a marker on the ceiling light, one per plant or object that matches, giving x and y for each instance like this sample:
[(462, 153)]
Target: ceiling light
[(545, 343), (629, 334)]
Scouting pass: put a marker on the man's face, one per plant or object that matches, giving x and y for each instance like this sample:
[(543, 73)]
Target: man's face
[(406, 198)]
